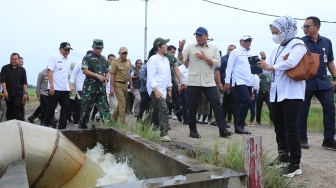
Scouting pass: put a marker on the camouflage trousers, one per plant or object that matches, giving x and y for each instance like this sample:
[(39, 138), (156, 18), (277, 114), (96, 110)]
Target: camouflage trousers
[(90, 98)]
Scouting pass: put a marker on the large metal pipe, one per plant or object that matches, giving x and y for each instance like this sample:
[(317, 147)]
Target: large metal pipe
[(52, 160)]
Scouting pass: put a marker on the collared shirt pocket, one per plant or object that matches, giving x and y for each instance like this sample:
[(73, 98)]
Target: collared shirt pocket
[(193, 78)]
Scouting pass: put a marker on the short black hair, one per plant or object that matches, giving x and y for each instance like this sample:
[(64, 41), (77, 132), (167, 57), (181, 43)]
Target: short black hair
[(137, 61), (316, 20), (232, 45), (13, 54), (171, 47), (110, 55)]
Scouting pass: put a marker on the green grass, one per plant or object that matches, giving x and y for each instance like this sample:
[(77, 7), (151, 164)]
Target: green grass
[(314, 121)]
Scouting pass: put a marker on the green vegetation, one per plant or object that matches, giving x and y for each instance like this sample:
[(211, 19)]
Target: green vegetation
[(315, 118)]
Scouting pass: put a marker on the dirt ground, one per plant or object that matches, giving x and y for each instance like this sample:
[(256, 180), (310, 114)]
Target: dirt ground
[(318, 164)]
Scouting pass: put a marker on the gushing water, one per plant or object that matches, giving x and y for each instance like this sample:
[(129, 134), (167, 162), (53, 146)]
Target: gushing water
[(114, 172)]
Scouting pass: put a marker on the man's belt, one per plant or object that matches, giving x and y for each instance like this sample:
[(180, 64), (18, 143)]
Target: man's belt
[(263, 91), (121, 82)]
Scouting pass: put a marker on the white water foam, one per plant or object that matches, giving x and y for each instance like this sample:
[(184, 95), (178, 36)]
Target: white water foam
[(114, 172)]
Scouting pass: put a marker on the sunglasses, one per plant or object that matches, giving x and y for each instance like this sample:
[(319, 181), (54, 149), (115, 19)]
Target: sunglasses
[(66, 49), (248, 40), (125, 53)]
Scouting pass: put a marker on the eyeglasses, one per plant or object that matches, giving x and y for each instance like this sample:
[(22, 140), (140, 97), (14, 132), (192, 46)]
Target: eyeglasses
[(306, 26), (248, 40)]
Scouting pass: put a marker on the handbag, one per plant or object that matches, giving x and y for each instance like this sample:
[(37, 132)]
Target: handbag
[(307, 67)]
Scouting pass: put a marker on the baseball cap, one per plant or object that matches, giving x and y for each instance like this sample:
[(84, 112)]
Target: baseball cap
[(98, 43), (65, 45), (159, 41), (123, 49), (201, 31), (244, 37)]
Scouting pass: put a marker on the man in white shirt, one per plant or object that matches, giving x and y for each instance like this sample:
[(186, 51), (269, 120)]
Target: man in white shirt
[(203, 58), (184, 92), (238, 69), (59, 88), (78, 77)]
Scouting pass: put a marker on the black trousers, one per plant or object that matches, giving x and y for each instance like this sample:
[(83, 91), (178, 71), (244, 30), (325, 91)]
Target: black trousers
[(326, 98), (285, 119), (44, 101), (263, 96), (78, 103), (14, 107), (212, 95), (144, 104), (244, 94), (63, 98), (230, 103)]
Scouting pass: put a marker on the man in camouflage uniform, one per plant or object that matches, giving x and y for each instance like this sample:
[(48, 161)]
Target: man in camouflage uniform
[(176, 80), (96, 69), (120, 74)]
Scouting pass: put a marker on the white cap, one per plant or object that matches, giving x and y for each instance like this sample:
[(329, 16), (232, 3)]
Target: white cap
[(244, 37)]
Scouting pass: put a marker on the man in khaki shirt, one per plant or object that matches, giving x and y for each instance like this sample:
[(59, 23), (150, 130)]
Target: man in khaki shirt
[(203, 58), (120, 74)]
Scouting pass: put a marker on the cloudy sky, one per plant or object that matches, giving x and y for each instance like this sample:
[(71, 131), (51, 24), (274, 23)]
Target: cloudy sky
[(35, 28)]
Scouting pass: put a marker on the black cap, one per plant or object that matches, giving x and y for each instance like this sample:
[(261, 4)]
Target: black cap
[(89, 52), (65, 45)]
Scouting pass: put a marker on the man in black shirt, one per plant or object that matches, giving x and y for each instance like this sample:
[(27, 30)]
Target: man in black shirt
[(14, 84)]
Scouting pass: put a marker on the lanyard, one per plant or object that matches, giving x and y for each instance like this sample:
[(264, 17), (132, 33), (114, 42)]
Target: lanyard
[(277, 54)]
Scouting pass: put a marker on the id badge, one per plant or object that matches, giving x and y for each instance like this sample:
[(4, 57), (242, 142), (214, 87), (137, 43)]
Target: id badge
[(325, 58), (272, 76)]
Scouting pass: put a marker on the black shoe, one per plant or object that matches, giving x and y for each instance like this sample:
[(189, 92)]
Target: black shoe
[(224, 133), (213, 123), (239, 130), (69, 119), (304, 144), (292, 170), (31, 119), (62, 127), (169, 128), (179, 117), (329, 143), (194, 135), (82, 126), (155, 127), (277, 164), (185, 123)]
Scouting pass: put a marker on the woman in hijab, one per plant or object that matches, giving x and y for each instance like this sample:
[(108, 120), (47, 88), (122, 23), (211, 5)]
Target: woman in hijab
[(159, 84), (286, 94)]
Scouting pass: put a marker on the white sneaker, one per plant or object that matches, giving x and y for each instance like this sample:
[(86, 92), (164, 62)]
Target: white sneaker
[(165, 139), (174, 117), (97, 118)]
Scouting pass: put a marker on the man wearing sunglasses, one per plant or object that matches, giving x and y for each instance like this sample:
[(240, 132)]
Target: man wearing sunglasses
[(96, 69), (59, 88), (320, 85), (239, 72), (121, 70)]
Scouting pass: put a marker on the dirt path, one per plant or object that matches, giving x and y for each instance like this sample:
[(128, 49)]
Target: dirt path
[(318, 164)]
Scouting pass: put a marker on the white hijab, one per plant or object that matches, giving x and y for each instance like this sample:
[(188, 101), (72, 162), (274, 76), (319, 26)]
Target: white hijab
[(286, 25)]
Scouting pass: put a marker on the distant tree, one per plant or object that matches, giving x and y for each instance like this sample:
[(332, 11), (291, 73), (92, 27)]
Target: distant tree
[(31, 86)]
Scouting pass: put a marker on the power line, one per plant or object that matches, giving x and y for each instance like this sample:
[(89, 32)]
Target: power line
[(256, 12)]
